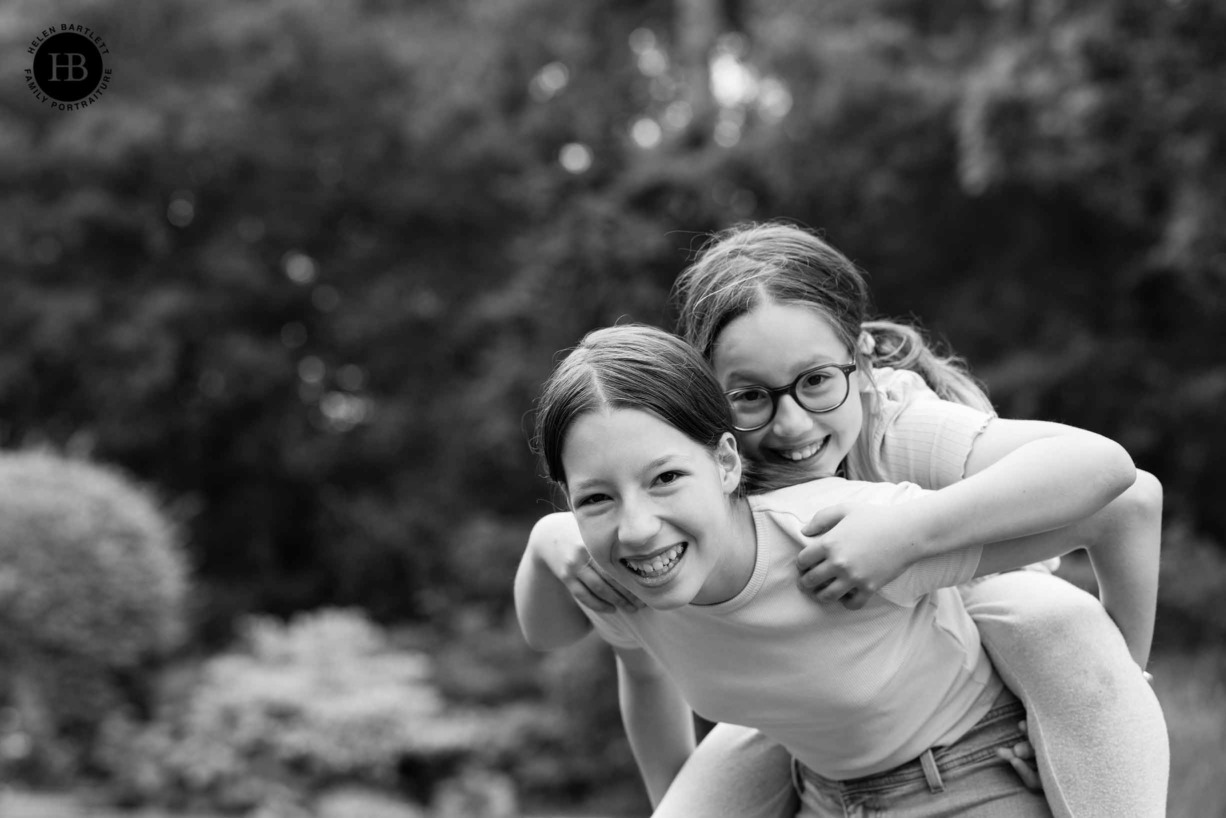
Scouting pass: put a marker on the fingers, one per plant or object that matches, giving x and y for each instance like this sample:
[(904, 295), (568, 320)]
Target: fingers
[(824, 520), (856, 599), (615, 587), (835, 590), (840, 589), (592, 588), (584, 596), (811, 556), (1025, 772), (817, 577), (1018, 756), (828, 581)]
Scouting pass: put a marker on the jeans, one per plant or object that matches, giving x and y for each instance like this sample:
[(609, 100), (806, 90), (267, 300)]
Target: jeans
[(1094, 722), (964, 778)]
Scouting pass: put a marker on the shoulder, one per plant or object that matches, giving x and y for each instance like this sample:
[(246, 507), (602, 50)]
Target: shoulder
[(613, 627), (900, 393), (896, 390), (804, 499), (917, 436)]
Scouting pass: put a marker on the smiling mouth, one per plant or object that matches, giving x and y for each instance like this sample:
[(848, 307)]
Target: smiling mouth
[(657, 565), (804, 452)]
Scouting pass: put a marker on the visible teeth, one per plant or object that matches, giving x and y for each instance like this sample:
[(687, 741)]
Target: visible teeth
[(802, 454), (657, 565)]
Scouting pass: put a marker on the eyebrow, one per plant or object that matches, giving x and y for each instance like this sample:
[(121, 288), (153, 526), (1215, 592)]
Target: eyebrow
[(661, 460), (820, 360), (587, 485)]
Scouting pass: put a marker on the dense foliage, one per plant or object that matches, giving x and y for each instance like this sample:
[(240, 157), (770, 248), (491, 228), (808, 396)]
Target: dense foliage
[(305, 264), (93, 588), (301, 714)]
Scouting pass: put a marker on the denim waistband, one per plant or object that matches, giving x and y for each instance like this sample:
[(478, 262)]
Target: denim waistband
[(997, 728)]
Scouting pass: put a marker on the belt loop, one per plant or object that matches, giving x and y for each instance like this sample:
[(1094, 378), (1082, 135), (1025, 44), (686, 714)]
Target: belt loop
[(931, 774)]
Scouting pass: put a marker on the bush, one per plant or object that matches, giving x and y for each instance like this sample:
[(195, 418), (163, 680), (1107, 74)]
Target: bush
[(92, 586), (587, 756), (1191, 586), (554, 725), (295, 710), (482, 659)]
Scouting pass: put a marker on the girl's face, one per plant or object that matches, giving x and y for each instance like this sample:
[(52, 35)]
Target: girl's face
[(769, 346), (653, 508)]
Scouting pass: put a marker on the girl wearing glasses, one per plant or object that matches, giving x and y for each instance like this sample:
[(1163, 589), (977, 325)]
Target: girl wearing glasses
[(892, 708), (781, 315)]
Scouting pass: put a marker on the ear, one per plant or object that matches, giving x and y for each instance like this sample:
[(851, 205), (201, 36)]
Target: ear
[(729, 460)]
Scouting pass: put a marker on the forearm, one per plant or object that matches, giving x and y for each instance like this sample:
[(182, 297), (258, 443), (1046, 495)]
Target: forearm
[(658, 725), (548, 615), (1123, 541), (1042, 485), (1125, 552)]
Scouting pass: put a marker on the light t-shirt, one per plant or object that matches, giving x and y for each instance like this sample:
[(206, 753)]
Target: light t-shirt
[(848, 693), (916, 436), (919, 438)]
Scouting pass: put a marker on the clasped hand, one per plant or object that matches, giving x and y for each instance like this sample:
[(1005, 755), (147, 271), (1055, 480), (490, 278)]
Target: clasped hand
[(556, 541), (856, 549)]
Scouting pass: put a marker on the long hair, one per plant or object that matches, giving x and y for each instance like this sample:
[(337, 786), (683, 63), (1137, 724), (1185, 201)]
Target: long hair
[(752, 264), (631, 366)]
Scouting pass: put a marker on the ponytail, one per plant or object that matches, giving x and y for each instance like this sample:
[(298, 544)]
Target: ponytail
[(901, 346), (777, 262)]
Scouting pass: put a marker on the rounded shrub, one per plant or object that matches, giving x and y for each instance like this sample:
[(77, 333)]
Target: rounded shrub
[(92, 585), (296, 707)]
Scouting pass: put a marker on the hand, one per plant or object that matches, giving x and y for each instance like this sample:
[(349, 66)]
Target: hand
[(1021, 758), (556, 542), (592, 587), (857, 549)]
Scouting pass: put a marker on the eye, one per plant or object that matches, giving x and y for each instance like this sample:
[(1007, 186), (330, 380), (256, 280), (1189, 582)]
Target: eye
[(814, 379), (668, 478), (591, 500), (748, 397)]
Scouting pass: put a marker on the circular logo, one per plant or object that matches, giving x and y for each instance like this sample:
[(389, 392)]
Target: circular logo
[(68, 67)]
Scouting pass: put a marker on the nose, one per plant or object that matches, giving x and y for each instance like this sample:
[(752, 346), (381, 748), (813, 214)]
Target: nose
[(790, 419), (637, 524)]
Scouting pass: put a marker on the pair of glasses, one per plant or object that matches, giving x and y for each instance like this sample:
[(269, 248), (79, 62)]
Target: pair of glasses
[(820, 389)]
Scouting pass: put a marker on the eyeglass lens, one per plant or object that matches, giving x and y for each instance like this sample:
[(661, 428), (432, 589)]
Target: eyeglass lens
[(817, 390)]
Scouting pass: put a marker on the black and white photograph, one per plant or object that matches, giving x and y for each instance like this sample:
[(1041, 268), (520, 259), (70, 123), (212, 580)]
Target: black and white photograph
[(612, 409)]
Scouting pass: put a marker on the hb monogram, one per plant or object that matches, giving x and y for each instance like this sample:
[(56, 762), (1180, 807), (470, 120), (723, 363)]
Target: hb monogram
[(73, 63)]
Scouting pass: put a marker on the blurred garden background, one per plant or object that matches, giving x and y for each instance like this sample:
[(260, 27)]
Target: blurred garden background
[(274, 309)]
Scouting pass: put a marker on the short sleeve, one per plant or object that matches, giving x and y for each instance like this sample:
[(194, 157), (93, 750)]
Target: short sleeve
[(612, 629), (791, 507), (921, 438), (927, 575)]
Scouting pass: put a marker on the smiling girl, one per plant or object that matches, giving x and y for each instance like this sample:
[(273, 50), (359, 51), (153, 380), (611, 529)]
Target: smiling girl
[(892, 707), (781, 315)]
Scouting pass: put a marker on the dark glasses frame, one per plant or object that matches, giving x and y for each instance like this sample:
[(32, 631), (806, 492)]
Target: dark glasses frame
[(790, 389)]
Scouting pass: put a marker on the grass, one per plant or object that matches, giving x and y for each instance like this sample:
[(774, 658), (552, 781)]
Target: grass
[(1192, 690)]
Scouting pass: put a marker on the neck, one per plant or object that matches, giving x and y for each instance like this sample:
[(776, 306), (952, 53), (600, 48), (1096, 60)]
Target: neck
[(740, 554)]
